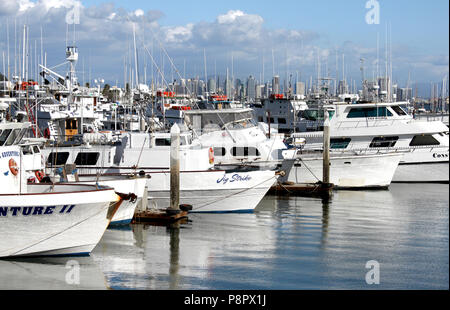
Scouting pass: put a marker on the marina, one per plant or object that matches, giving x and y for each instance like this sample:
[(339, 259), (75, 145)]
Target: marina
[(325, 174)]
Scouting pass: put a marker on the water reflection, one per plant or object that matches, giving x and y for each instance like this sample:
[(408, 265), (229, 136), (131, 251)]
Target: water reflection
[(53, 273), (287, 243)]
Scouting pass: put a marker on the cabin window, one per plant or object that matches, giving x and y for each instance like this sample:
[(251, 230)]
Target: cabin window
[(20, 136), (281, 120), (219, 151), (12, 137), (162, 142), (339, 143), (71, 124), (87, 159), (272, 120), (260, 119), (421, 140), (57, 159), (4, 135), (398, 110), (36, 149), (383, 142), (245, 151), (27, 150), (369, 112)]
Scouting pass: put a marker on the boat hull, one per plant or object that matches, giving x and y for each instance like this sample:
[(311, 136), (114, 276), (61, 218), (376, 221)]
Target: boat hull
[(213, 191), (362, 171), (437, 172), (136, 186), (59, 223)]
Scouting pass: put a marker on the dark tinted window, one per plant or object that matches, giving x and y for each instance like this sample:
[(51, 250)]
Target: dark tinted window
[(383, 142), (57, 158), (245, 151), (369, 112), (162, 142), (87, 159), (339, 143), (398, 110), (4, 136), (281, 120), (219, 151), (423, 140)]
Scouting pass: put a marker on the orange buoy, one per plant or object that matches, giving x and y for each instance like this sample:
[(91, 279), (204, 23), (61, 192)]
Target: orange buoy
[(13, 167)]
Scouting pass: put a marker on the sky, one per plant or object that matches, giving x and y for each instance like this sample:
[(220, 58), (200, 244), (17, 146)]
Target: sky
[(285, 37)]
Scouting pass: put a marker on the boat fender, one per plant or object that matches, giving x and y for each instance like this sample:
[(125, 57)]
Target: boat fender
[(39, 175), (13, 167), (211, 155)]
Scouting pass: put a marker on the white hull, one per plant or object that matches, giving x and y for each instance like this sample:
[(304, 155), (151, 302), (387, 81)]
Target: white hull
[(422, 172), (362, 171), (212, 191), (136, 186), (55, 223)]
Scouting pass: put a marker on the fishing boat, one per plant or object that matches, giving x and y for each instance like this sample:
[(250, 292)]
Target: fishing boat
[(201, 185), (49, 219), (239, 140)]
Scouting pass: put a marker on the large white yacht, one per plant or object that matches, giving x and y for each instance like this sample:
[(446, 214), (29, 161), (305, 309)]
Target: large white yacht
[(367, 128)]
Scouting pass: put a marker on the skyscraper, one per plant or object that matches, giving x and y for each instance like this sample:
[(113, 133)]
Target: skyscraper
[(276, 84), (251, 88)]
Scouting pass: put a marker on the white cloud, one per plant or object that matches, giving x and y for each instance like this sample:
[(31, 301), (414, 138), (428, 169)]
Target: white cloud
[(105, 33)]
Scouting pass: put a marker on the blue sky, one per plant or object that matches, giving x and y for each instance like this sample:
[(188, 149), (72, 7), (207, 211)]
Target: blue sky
[(423, 23), (300, 33)]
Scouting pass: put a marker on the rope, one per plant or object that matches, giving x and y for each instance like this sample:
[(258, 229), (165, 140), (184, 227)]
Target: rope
[(308, 169)]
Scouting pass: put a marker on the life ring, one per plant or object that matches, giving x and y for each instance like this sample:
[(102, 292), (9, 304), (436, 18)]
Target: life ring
[(39, 175), (13, 167), (211, 155)]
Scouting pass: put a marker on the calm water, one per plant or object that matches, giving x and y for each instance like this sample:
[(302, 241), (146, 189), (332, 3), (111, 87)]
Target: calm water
[(288, 243)]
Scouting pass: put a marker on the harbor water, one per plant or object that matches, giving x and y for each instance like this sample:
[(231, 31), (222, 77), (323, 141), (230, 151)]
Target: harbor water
[(288, 243)]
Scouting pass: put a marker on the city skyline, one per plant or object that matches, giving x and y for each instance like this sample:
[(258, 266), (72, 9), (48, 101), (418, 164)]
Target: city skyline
[(261, 39)]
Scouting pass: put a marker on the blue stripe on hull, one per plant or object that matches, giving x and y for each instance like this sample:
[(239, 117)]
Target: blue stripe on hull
[(232, 211), (79, 254), (122, 222)]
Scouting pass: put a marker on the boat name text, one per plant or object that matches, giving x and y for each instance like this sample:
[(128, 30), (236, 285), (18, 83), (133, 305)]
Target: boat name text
[(10, 154), (25, 211), (234, 178)]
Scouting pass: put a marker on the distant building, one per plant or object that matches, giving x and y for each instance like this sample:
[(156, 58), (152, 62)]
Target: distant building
[(342, 87), (276, 84), (228, 88), (251, 88), (300, 88), (212, 85), (404, 94)]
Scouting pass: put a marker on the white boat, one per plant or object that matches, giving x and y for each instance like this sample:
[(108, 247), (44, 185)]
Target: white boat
[(215, 190), (347, 170), (240, 141), (201, 186), (383, 128), (125, 184), (49, 219)]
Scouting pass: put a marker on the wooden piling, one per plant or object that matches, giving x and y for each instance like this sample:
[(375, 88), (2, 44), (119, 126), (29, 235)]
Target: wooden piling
[(174, 169)]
